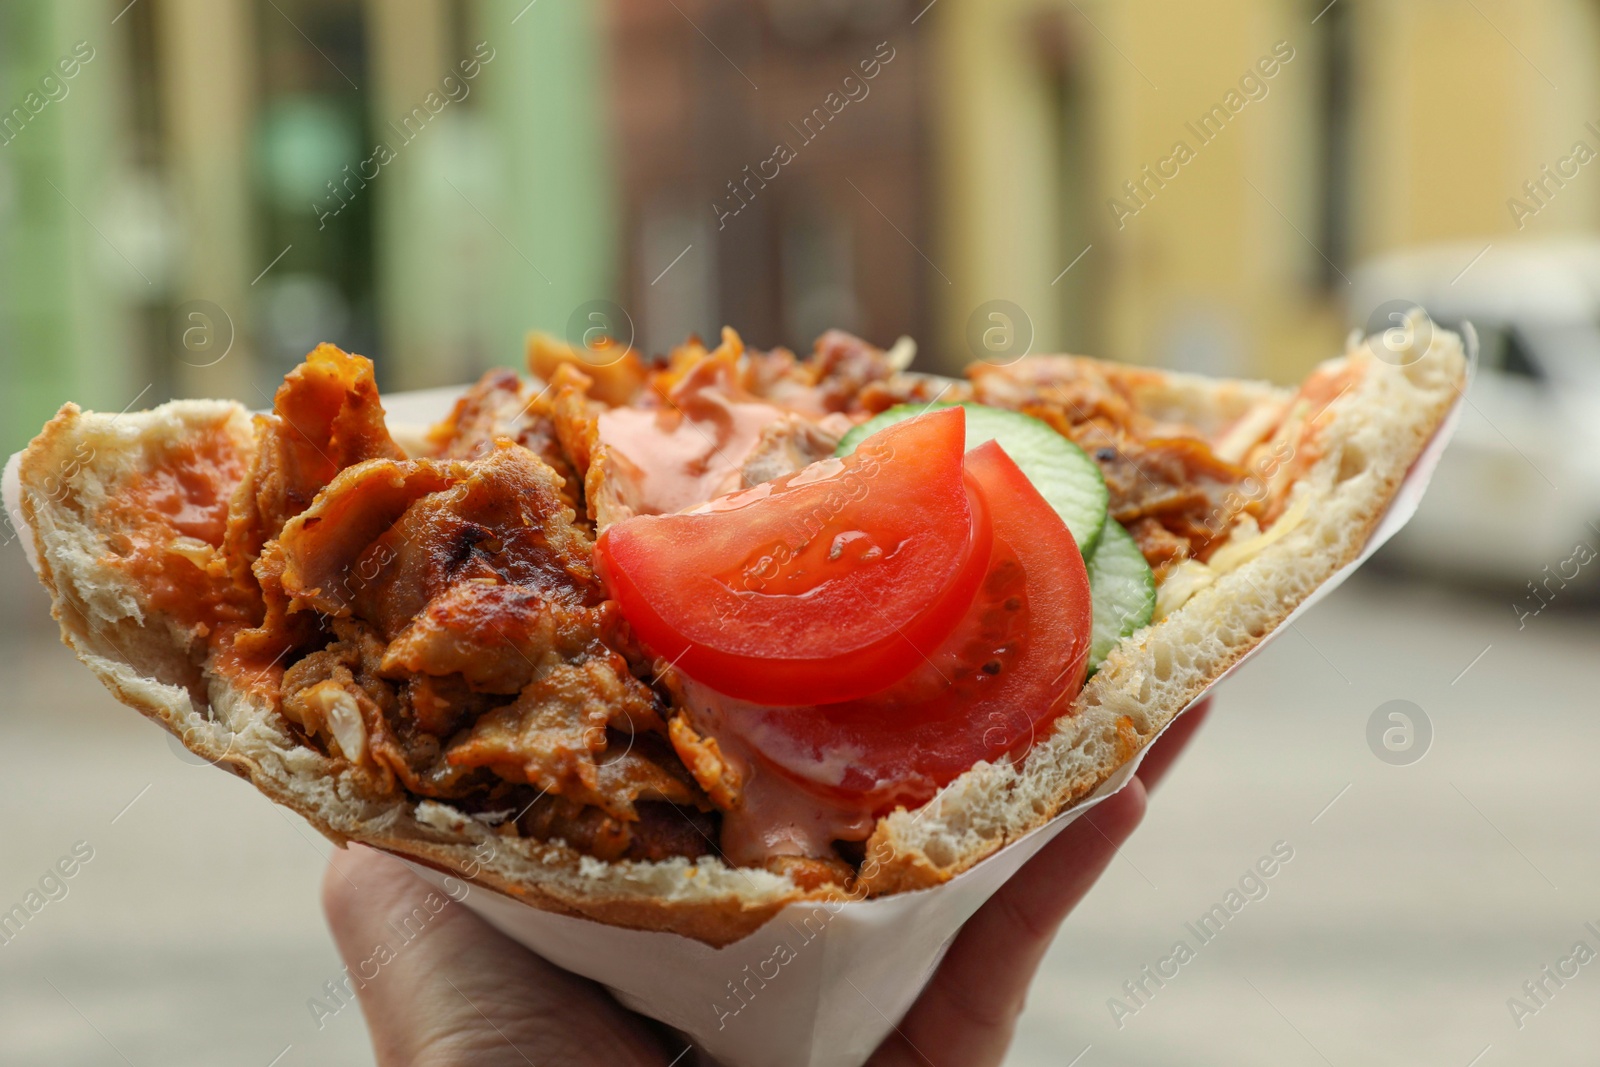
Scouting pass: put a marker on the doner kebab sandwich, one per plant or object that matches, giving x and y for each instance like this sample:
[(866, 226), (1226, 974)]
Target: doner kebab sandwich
[(689, 639)]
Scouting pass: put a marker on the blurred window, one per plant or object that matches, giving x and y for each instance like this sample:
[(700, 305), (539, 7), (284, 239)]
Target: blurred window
[(828, 231), (1503, 348), (1517, 359), (310, 193), (1567, 353)]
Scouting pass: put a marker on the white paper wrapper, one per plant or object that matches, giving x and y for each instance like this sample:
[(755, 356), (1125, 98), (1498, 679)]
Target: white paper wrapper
[(821, 984)]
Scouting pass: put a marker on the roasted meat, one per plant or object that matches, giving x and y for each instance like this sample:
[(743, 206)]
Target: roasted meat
[(1171, 491), (436, 621), (502, 405), (325, 417)]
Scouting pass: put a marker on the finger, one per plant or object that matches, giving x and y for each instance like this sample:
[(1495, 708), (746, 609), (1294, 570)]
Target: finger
[(439, 985), (1158, 761), (966, 1015)]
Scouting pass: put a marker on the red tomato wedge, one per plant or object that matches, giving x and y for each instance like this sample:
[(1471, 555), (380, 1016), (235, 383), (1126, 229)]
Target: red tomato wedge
[(1003, 675), (824, 586)]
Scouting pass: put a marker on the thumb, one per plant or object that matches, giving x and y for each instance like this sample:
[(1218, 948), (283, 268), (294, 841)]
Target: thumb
[(438, 985)]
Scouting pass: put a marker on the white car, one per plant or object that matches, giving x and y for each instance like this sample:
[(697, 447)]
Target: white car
[(1516, 499)]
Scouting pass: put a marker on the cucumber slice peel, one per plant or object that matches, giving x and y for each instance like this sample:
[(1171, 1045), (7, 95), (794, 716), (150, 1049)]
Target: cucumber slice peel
[(1123, 590), (1062, 472)]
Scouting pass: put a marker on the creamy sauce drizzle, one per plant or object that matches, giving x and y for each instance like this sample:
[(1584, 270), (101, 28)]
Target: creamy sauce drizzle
[(689, 451), (775, 817)]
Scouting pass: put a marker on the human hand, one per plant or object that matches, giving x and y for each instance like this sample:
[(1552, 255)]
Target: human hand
[(466, 994)]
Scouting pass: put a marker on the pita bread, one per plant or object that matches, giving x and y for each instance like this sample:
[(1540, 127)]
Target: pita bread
[(1366, 438)]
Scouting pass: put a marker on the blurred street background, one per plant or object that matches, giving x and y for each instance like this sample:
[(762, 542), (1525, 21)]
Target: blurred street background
[(195, 192)]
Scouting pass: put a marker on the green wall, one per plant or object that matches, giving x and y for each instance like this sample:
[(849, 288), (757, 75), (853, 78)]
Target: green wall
[(544, 97), (60, 282)]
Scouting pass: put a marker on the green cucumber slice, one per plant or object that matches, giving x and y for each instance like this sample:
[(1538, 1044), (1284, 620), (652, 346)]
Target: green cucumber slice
[(1061, 471), (1123, 590)]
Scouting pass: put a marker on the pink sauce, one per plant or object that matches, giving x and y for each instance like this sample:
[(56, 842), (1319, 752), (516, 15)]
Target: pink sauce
[(776, 817), (689, 450)]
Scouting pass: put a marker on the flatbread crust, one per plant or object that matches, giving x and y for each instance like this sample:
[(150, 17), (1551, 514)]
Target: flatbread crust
[(1366, 440)]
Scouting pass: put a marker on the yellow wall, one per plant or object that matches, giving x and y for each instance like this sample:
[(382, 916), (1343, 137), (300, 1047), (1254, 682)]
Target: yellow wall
[(1455, 106), (1463, 107), (997, 175)]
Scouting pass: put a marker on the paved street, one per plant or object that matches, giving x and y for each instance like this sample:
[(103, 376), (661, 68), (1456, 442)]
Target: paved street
[(1417, 899), (1414, 906)]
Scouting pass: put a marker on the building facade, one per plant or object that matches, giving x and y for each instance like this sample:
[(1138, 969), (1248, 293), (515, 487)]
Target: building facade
[(219, 184)]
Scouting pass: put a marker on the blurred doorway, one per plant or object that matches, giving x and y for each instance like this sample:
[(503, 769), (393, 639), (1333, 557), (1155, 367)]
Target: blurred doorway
[(773, 171)]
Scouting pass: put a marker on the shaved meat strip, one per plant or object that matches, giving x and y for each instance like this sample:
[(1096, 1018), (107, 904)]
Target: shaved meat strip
[(668, 814), (493, 635), (323, 559), (834, 378), (502, 405), (387, 538), (666, 830), (1161, 548), (1177, 484), (440, 703), (704, 758), (616, 372), (786, 446), (660, 832), (503, 522), (643, 768), (1170, 491), (326, 417), (473, 642), (1079, 389), (392, 741), (551, 734), (841, 366), (577, 418)]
